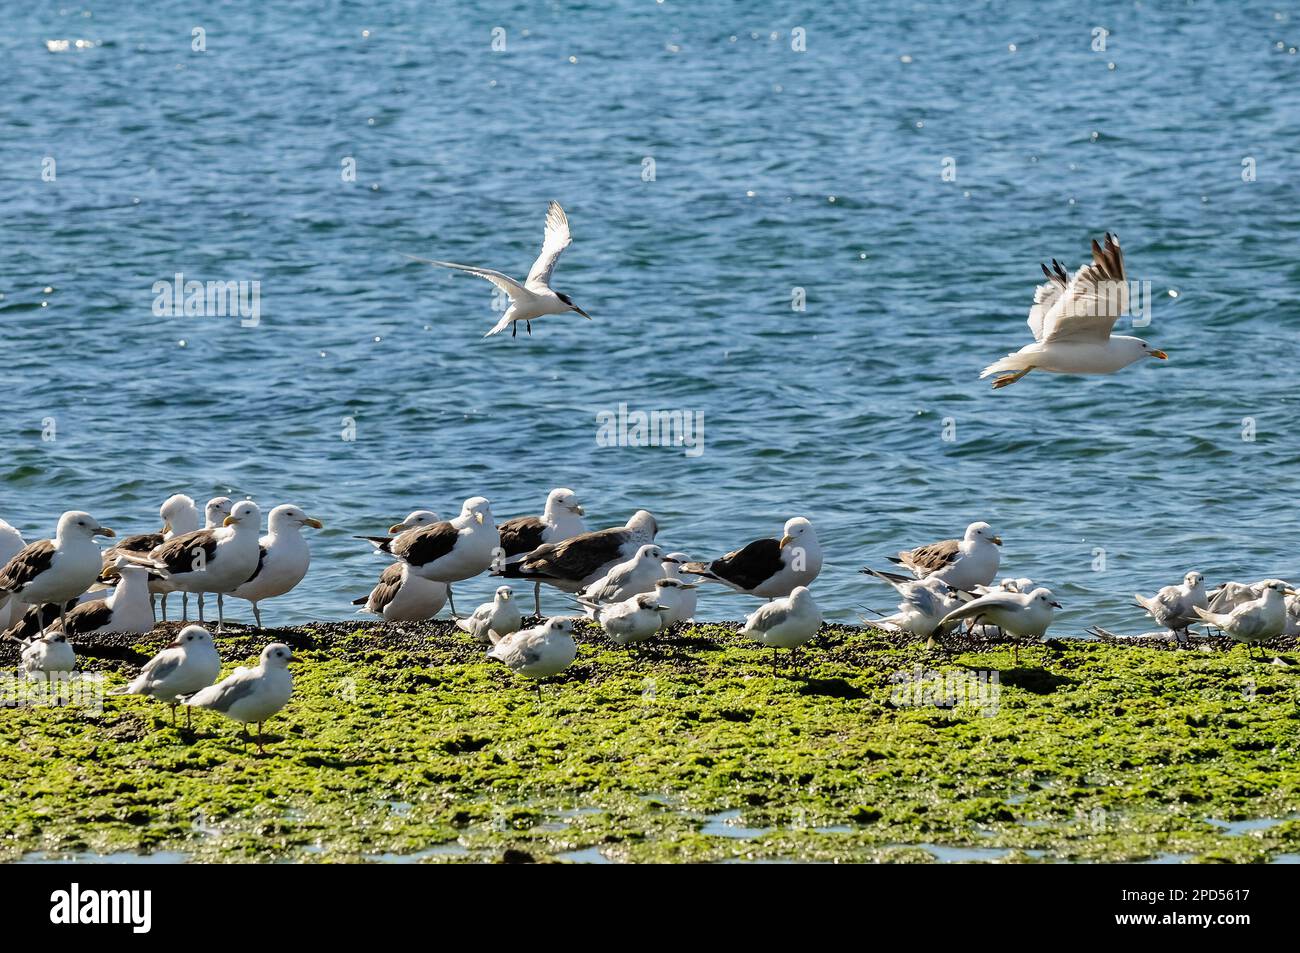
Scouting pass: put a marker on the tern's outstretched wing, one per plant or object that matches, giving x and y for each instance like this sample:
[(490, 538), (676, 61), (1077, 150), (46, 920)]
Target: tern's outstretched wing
[(504, 282), (557, 239)]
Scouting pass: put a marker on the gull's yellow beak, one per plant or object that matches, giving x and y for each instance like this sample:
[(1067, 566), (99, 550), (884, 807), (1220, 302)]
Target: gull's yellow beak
[(1160, 354), (578, 509), (997, 540), (478, 518), (229, 521), (785, 540), (397, 528), (167, 528), (104, 531), (1290, 592), (314, 523)]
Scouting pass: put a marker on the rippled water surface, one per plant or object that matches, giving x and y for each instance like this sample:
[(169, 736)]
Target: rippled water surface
[(773, 170)]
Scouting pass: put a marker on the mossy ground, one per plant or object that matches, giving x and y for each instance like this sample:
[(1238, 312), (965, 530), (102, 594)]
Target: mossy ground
[(405, 743)]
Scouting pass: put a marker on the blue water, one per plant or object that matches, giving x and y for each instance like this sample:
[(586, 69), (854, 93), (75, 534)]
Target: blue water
[(773, 169)]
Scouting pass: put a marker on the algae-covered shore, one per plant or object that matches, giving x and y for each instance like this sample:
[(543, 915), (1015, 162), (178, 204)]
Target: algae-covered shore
[(403, 743)]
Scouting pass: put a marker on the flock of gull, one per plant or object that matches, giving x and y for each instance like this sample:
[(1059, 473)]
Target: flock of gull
[(56, 591)]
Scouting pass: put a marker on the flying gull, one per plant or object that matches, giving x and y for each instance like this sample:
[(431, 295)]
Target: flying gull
[(534, 298), (1072, 320)]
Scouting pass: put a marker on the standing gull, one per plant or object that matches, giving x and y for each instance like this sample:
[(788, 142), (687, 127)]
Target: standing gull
[(214, 560), (924, 603), (571, 564), (1072, 320), (534, 298), (626, 579), (501, 616), (1172, 607), (179, 515), (283, 557), (683, 600), (185, 666), (126, 609), (539, 652), (562, 518), (784, 623), (251, 695), (1023, 614), (402, 596), (451, 550), (768, 567), (676, 598), (214, 513), (1256, 621), (55, 570), (43, 654), (629, 621), (962, 563), (11, 544)]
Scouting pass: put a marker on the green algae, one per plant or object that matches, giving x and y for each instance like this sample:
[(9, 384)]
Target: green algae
[(405, 743)]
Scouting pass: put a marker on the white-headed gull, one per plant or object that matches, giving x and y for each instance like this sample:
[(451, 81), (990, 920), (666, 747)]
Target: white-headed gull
[(1072, 319)]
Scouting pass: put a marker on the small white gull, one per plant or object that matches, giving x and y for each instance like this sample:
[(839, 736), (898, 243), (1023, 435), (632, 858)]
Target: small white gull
[(1021, 614), (501, 616), (1172, 606), (785, 623), (187, 665), (1256, 621), (626, 579), (251, 695), (539, 652), (629, 621)]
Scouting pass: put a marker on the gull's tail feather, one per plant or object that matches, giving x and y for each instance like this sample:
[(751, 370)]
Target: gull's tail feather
[(381, 543), (507, 319), (1012, 362), (1211, 617)]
